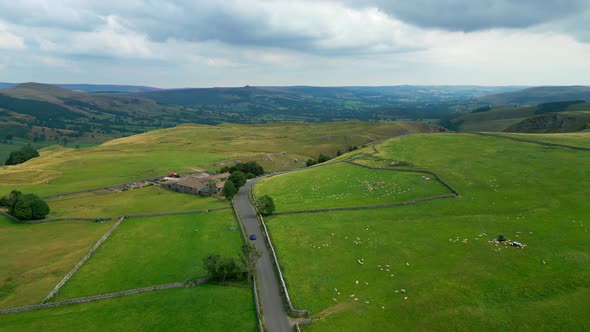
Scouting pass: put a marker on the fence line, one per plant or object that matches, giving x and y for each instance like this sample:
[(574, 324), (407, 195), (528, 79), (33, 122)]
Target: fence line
[(102, 296), (368, 207), (137, 215), (409, 170), (533, 141), (83, 260), (160, 214), (9, 216)]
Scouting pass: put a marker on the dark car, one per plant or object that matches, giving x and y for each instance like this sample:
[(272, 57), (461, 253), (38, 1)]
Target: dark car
[(252, 237)]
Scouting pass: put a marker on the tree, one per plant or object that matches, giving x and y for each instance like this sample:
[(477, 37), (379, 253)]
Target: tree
[(265, 205), (253, 167), (27, 206), (238, 178), (310, 162), (229, 189), (39, 208), (250, 256), (223, 268), (21, 155), (9, 200), (249, 167), (323, 158)]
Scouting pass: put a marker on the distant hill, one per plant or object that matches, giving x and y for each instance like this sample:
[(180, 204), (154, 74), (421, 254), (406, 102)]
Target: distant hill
[(308, 103), (97, 88), (369, 95), (107, 88), (538, 95), (568, 116), (48, 112)]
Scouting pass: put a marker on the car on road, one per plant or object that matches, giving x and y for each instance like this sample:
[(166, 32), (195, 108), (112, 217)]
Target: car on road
[(252, 237)]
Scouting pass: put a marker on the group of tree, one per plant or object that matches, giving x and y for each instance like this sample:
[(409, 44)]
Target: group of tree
[(265, 205), (221, 269), (25, 206), (251, 169), (21, 155), (240, 173), (321, 159), (233, 183)]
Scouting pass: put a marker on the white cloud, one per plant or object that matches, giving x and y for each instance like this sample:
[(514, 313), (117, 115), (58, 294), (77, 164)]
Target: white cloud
[(112, 39), (234, 42), (9, 40)]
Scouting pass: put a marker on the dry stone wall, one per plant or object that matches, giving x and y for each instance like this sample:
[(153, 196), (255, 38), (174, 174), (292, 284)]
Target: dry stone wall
[(83, 260), (101, 297)]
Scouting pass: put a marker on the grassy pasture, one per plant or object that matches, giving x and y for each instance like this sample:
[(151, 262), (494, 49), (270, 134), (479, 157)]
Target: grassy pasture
[(184, 148), (144, 200), (341, 184), (36, 257), (202, 308), (439, 251), (156, 250)]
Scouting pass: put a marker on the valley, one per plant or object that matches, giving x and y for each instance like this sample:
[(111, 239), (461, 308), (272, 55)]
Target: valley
[(358, 238), (288, 166)]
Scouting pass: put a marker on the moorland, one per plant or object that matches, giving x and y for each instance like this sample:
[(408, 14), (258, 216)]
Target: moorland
[(397, 228)]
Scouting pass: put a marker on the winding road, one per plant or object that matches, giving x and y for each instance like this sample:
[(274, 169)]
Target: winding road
[(274, 312)]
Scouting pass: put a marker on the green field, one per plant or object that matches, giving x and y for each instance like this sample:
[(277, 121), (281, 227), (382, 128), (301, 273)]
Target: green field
[(144, 200), (439, 251), (185, 148), (342, 184), (36, 257), (574, 139), (157, 250), (201, 308)]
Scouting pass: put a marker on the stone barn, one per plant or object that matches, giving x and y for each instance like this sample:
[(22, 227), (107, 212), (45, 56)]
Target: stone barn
[(190, 185)]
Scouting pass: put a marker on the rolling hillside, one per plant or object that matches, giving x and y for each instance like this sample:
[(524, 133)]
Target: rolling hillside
[(102, 88), (311, 103), (184, 148), (538, 95), (547, 117), (46, 112), (57, 114), (564, 122)]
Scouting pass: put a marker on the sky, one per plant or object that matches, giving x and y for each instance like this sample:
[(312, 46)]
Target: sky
[(196, 43)]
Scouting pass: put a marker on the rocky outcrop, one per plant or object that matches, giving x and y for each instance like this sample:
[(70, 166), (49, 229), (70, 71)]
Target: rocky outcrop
[(552, 123)]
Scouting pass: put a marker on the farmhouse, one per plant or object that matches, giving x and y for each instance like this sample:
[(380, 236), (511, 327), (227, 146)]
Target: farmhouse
[(196, 184), (189, 185)]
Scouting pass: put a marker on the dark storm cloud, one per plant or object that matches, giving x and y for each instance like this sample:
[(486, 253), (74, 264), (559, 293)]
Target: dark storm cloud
[(319, 27), (473, 15), (306, 26)]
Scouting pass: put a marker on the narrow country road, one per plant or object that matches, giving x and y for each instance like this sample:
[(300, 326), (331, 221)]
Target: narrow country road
[(275, 315)]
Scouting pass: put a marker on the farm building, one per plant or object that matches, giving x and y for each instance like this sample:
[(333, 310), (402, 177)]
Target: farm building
[(219, 186), (196, 184), (189, 185)]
